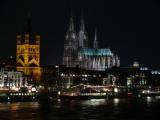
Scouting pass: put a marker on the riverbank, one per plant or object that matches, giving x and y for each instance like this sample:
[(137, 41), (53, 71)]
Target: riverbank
[(27, 97), (52, 96)]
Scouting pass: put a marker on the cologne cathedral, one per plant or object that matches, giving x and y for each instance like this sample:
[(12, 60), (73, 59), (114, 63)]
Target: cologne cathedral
[(78, 53)]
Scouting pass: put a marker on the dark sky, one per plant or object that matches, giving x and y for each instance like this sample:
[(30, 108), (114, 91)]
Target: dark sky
[(129, 28)]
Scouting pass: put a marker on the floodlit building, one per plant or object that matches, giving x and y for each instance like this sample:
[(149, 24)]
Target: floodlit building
[(28, 53), (78, 53), (11, 79), (70, 56)]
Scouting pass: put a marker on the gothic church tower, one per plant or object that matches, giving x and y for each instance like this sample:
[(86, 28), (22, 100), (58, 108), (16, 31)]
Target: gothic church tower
[(82, 36), (70, 46)]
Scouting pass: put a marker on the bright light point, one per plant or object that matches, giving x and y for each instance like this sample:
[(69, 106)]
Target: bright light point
[(116, 101), (62, 74), (33, 89), (116, 90), (59, 92), (14, 88), (149, 99), (85, 75)]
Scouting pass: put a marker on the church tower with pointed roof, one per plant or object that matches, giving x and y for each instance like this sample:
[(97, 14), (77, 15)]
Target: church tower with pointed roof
[(70, 45), (28, 52), (78, 52), (82, 35)]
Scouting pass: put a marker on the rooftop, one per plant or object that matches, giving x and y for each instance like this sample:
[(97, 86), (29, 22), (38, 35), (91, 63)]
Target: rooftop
[(97, 52)]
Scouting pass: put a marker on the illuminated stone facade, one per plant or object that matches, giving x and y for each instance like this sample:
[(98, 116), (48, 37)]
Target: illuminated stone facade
[(28, 54), (98, 59), (70, 46), (11, 79), (78, 53)]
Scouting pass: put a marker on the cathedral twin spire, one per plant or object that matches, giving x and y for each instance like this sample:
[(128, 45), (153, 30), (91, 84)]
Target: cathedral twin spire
[(71, 25), (82, 27), (83, 38), (82, 35), (78, 53)]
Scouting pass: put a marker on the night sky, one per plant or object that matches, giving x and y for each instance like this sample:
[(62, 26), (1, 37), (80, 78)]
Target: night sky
[(130, 28)]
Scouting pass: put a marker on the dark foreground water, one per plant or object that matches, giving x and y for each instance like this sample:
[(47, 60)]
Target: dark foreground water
[(100, 109)]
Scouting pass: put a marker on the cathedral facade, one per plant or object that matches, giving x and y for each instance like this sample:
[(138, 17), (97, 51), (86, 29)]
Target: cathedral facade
[(78, 53)]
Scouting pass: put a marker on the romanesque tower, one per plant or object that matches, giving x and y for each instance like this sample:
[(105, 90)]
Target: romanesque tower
[(28, 52)]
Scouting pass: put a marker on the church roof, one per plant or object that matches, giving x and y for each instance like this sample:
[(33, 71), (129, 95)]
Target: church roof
[(96, 52)]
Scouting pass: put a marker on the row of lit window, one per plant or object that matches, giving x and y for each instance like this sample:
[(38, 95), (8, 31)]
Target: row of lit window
[(94, 94), (25, 94), (143, 68), (155, 72), (29, 49), (83, 75)]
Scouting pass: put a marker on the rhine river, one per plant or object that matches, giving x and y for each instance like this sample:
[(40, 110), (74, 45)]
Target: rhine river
[(95, 109)]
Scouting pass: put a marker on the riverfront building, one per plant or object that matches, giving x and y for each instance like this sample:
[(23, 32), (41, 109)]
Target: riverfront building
[(78, 53), (10, 79), (28, 53)]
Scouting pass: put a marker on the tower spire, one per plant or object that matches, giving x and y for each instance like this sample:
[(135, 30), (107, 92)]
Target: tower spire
[(83, 39), (82, 22), (95, 44), (71, 24), (70, 46)]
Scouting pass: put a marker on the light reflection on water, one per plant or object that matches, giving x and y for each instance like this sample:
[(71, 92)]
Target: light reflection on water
[(116, 101), (149, 99), (94, 109), (18, 105), (18, 111), (94, 102)]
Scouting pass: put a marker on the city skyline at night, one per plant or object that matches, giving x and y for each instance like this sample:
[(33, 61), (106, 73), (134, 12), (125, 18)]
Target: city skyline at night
[(79, 59), (129, 28)]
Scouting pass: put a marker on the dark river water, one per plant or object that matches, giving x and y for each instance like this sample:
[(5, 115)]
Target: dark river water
[(96, 109)]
